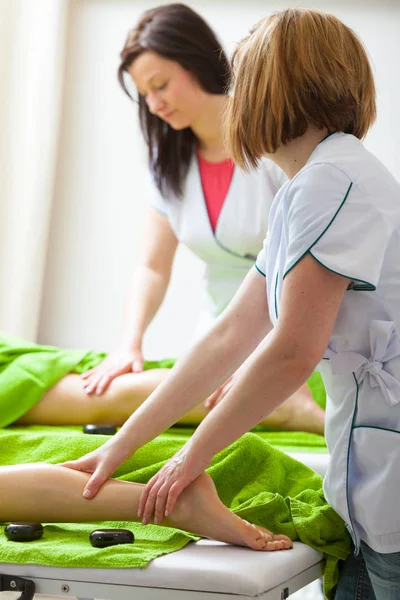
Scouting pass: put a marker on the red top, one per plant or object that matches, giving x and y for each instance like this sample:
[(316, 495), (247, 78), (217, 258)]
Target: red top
[(215, 180)]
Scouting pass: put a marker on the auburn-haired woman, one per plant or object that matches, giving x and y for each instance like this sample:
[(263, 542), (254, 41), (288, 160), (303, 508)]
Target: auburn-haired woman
[(326, 289)]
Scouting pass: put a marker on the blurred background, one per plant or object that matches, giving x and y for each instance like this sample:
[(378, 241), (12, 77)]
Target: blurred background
[(73, 180)]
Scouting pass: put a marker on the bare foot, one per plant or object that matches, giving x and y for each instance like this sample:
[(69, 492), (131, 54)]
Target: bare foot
[(299, 413), (199, 510)]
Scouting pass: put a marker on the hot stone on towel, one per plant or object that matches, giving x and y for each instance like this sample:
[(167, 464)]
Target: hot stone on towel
[(102, 538), (23, 531), (100, 429)]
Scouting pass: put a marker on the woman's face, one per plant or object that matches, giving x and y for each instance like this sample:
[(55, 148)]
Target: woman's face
[(170, 91)]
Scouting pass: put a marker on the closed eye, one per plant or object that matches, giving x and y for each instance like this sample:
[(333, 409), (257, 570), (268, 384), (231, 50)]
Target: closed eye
[(160, 88)]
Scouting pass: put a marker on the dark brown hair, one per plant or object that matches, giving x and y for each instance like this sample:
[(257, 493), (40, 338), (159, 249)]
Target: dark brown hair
[(297, 68), (175, 32)]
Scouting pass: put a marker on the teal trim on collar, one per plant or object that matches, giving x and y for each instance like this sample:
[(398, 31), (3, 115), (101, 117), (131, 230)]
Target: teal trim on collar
[(326, 137), (259, 270)]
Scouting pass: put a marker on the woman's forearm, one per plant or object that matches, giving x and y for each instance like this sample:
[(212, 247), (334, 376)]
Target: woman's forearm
[(203, 369), (268, 378), (206, 366), (235, 335), (148, 291)]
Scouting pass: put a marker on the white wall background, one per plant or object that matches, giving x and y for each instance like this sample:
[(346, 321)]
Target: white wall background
[(101, 186)]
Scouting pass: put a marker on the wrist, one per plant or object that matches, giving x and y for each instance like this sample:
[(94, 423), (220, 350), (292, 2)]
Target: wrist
[(132, 341), (121, 445), (199, 453)]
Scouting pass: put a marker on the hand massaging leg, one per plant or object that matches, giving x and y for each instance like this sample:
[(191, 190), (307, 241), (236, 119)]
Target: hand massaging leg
[(50, 493), (66, 403)]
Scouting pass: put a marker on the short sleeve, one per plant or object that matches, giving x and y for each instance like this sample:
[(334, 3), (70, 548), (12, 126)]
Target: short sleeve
[(261, 262), (343, 229)]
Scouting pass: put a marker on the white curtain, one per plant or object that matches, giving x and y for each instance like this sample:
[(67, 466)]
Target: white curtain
[(32, 53)]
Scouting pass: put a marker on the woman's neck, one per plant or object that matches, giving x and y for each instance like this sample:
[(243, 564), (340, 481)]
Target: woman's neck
[(292, 157), (208, 129)]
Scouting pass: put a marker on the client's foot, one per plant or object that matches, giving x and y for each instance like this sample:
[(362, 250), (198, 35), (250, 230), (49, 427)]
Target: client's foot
[(299, 413), (199, 510)]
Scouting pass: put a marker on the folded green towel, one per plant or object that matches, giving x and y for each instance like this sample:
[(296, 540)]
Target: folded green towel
[(28, 370), (256, 481)]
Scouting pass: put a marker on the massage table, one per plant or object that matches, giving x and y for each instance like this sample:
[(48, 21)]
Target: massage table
[(205, 570)]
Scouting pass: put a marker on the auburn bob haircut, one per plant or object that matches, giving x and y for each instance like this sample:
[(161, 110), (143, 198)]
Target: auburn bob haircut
[(297, 68)]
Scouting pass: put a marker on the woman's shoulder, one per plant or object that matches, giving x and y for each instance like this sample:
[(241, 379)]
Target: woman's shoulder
[(318, 184)]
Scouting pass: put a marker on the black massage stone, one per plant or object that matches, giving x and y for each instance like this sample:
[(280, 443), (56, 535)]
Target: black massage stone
[(23, 531), (100, 429), (102, 538)]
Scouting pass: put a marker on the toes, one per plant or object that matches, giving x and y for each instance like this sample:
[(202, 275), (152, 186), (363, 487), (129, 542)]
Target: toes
[(286, 541), (270, 546), (259, 544), (263, 539), (275, 546), (279, 542), (265, 531), (258, 537)]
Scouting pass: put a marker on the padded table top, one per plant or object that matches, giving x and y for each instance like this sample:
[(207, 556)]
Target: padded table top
[(203, 566), (206, 566), (316, 461)]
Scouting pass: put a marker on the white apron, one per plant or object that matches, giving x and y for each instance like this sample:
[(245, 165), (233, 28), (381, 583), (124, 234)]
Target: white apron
[(228, 253)]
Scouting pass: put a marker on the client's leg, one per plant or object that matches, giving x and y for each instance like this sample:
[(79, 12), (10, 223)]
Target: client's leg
[(50, 493), (299, 413), (67, 404)]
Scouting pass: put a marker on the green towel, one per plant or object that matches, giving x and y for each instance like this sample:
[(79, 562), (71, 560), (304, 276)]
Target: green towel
[(256, 481), (28, 370), (288, 441)]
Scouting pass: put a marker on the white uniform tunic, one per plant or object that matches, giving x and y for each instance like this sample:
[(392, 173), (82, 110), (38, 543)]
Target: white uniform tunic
[(343, 208), (230, 252)]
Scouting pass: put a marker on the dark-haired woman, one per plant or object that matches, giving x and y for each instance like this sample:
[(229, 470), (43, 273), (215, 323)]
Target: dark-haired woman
[(201, 199)]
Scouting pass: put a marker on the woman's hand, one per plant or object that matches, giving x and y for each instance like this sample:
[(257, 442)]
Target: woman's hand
[(102, 463), (121, 361), (219, 393), (162, 491)]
